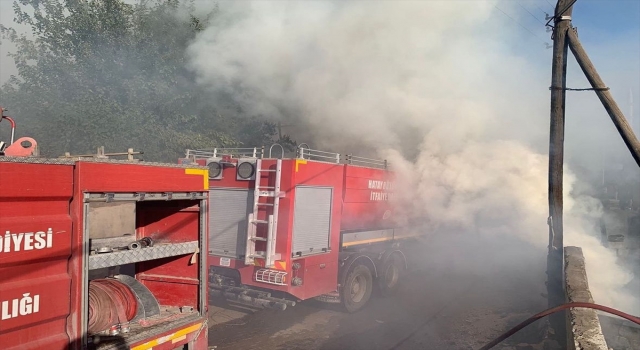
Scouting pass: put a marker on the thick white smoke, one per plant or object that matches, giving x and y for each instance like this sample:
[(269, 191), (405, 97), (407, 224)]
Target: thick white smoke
[(433, 86), (499, 189)]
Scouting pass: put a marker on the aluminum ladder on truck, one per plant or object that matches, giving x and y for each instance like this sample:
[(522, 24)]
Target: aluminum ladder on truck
[(260, 191)]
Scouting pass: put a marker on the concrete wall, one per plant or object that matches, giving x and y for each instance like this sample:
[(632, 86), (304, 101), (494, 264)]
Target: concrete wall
[(583, 326)]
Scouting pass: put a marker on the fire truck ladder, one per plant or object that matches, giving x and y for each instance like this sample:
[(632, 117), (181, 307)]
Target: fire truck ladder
[(272, 217)]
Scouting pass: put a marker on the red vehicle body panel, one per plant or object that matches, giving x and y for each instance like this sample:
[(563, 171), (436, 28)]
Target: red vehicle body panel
[(366, 199), (360, 203), (36, 245), (42, 212)]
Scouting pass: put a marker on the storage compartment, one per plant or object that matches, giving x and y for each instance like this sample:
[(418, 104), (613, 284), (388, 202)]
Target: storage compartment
[(149, 247), (311, 220), (228, 212), (173, 280)]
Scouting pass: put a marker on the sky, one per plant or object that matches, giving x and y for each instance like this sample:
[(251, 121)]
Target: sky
[(610, 33)]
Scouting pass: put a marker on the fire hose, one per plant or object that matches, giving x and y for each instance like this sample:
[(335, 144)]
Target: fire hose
[(553, 310), (110, 303)]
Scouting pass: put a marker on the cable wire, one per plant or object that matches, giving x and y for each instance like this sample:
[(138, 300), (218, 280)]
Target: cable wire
[(567, 7), (555, 17), (525, 28), (543, 11), (529, 12), (553, 7), (553, 310)]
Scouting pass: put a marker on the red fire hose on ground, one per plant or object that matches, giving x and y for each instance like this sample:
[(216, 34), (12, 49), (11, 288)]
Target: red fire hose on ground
[(110, 303), (553, 310)]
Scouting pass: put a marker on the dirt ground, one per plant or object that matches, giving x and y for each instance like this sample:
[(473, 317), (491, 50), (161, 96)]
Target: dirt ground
[(447, 302)]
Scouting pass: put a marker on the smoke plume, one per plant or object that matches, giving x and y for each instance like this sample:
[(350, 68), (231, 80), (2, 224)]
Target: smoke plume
[(434, 86)]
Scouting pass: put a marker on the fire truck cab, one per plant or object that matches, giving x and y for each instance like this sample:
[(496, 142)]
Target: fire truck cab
[(317, 225)]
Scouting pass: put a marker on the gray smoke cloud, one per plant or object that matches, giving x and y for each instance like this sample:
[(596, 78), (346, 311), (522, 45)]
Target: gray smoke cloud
[(433, 86), (7, 66)]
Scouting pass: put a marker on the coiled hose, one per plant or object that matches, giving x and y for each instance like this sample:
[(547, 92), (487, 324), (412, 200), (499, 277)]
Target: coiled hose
[(110, 303)]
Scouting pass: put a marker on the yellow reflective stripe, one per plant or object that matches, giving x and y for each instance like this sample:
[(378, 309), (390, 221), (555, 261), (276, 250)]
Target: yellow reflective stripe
[(278, 264), (281, 265), (300, 161), (374, 240), (179, 339), (382, 239), (203, 172), (183, 332)]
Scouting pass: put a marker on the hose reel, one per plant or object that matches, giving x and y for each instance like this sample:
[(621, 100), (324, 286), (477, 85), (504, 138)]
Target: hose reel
[(111, 303)]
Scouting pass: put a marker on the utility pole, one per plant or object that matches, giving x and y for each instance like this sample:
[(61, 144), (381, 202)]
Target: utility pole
[(631, 116), (555, 256)]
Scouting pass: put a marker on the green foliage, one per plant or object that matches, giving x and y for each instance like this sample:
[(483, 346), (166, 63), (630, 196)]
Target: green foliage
[(107, 73)]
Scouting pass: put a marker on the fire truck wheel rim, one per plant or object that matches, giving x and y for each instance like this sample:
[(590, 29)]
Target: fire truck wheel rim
[(358, 288), (391, 275)]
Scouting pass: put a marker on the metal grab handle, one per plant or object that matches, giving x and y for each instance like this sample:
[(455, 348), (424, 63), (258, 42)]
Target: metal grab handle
[(279, 145), (13, 126), (270, 251), (250, 247), (301, 150), (11, 121)]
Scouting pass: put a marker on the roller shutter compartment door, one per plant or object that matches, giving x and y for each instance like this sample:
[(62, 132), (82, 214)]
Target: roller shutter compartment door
[(228, 211), (311, 220)]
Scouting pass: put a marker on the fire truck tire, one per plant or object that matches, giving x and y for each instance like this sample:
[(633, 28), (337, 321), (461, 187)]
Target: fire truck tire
[(357, 288), (389, 276)]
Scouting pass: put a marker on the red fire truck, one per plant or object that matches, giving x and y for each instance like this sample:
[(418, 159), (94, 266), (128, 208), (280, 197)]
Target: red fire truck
[(101, 253), (316, 225)]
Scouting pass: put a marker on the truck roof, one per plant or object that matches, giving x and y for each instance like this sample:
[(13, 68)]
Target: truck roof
[(306, 153)]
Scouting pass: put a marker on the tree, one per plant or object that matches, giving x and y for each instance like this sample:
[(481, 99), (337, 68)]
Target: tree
[(107, 73)]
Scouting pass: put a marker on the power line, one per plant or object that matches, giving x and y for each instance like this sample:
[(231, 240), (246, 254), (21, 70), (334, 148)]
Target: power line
[(529, 12), (543, 11), (553, 7), (560, 13), (546, 15), (520, 24)]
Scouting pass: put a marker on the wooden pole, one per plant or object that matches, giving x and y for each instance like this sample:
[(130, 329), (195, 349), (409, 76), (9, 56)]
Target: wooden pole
[(555, 256), (624, 128)]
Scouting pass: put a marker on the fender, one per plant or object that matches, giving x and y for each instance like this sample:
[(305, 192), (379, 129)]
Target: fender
[(388, 253), (350, 260)]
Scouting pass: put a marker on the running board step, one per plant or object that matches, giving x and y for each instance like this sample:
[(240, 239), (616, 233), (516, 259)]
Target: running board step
[(250, 297), (261, 255)]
